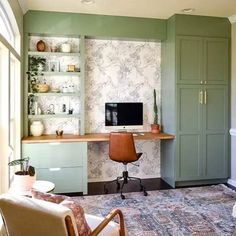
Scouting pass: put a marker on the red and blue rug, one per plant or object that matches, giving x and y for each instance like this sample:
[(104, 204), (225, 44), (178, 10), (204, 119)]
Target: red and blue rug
[(205, 211)]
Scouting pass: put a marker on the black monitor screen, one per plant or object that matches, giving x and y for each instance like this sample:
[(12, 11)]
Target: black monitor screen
[(124, 114)]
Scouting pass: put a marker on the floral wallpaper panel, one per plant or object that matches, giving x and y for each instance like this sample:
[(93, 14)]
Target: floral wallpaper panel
[(121, 71)]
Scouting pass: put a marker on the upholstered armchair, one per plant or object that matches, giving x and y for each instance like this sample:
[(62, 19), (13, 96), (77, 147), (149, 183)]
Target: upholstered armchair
[(24, 216)]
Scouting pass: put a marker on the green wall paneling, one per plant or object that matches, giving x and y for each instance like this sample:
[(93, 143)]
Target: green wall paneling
[(206, 26), (94, 25)]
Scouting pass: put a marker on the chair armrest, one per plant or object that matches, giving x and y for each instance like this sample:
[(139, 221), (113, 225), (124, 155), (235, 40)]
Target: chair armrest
[(107, 219), (69, 226)]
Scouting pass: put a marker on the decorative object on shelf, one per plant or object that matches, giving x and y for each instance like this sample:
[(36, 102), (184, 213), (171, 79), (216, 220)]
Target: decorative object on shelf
[(71, 88), (23, 179), (64, 108), (31, 106), (59, 132), (71, 68), (36, 68), (155, 127), (41, 46), (36, 128), (54, 66), (64, 88), (53, 49), (42, 88), (70, 112), (51, 109), (65, 47)]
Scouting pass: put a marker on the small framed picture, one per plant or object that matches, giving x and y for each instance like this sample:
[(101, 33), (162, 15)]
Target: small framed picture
[(54, 66)]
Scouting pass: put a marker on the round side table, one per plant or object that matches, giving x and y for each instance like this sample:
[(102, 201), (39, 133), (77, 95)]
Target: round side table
[(43, 186)]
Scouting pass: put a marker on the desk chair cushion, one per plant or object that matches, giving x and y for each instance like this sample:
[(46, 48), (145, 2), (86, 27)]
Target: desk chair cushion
[(78, 212), (25, 216)]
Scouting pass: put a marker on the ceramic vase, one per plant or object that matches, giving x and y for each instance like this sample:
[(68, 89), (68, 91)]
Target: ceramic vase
[(36, 128)]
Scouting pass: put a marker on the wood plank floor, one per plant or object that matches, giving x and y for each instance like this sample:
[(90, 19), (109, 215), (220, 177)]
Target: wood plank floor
[(97, 188)]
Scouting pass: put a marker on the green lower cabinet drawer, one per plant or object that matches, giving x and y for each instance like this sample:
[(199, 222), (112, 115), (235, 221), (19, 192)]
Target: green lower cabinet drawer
[(46, 155), (65, 179)]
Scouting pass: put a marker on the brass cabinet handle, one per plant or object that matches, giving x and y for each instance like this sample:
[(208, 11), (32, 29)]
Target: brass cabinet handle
[(201, 82), (205, 97), (205, 82), (201, 97)]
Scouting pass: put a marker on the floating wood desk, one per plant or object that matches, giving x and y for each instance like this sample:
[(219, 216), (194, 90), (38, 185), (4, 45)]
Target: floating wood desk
[(98, 137)]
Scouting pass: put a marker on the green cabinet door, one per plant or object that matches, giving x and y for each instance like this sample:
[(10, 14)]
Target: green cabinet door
[(189, 60), (202, 60), (189, 160), (216, 55), (215, 131)]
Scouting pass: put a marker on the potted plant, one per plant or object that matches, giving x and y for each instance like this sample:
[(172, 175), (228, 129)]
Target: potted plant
[(24, 178), (36, 66), (155, 127)]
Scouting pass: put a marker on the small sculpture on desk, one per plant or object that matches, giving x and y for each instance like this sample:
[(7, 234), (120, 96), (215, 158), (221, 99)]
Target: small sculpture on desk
[(59, 132)]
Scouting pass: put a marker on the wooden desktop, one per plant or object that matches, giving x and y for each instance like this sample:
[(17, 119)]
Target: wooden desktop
[(93, 137)]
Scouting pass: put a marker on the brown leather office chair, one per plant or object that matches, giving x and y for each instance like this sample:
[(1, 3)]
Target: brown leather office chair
[(122, 149)]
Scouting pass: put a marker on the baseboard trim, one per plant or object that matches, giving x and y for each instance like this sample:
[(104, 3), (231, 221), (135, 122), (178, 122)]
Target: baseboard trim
[(94, 180), (232, 132), (232, 182)]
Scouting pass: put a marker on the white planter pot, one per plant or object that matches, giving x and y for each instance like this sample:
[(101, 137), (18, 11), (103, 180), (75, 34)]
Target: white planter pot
[(22, 183), (36, 128)]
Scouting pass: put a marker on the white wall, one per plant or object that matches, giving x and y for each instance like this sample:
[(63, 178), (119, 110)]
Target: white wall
[(232, 179)]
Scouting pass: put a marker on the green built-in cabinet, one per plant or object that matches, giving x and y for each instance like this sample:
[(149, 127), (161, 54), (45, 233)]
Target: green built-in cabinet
[(196, 79), (202, 135), (65, 164), (202, 60)]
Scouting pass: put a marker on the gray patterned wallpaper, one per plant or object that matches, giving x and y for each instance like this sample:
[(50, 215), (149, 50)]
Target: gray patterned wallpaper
[(121, 71)]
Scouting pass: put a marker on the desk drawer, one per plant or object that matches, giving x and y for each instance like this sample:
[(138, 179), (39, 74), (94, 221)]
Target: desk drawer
[(65, 179), (52, 155)]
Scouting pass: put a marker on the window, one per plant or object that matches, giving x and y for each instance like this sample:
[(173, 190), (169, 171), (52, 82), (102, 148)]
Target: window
[(10, 93), (5, 26)]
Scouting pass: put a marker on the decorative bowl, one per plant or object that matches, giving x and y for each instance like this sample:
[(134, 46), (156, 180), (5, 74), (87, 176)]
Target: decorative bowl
[(42, 88)]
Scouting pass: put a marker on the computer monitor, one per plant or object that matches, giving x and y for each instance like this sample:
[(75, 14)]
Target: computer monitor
[(124, 115)]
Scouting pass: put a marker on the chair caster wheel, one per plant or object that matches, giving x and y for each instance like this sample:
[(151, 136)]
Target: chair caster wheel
[(122, 196), (145, 193)]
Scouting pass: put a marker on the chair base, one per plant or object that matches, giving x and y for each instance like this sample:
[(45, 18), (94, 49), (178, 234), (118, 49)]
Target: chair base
[(125, 178)]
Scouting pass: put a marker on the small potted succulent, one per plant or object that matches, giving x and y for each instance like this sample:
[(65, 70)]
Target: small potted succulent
[(155, 127), (23, 179)]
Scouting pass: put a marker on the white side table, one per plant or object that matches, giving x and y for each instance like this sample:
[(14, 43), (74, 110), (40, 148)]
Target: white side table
[(43, 186), (39, 185)]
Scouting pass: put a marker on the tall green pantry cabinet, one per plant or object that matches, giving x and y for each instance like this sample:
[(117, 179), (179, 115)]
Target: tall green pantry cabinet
[(195, 100)]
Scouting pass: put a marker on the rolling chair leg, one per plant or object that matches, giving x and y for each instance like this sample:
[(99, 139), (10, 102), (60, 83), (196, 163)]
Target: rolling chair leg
[(121, 189), (142, 188), (105, 189)]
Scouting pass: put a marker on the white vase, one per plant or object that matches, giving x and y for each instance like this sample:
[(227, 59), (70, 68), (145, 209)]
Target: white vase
[(36, 128)]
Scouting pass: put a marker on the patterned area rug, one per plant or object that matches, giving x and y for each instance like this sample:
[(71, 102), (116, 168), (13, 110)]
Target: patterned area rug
[(204, 211)]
